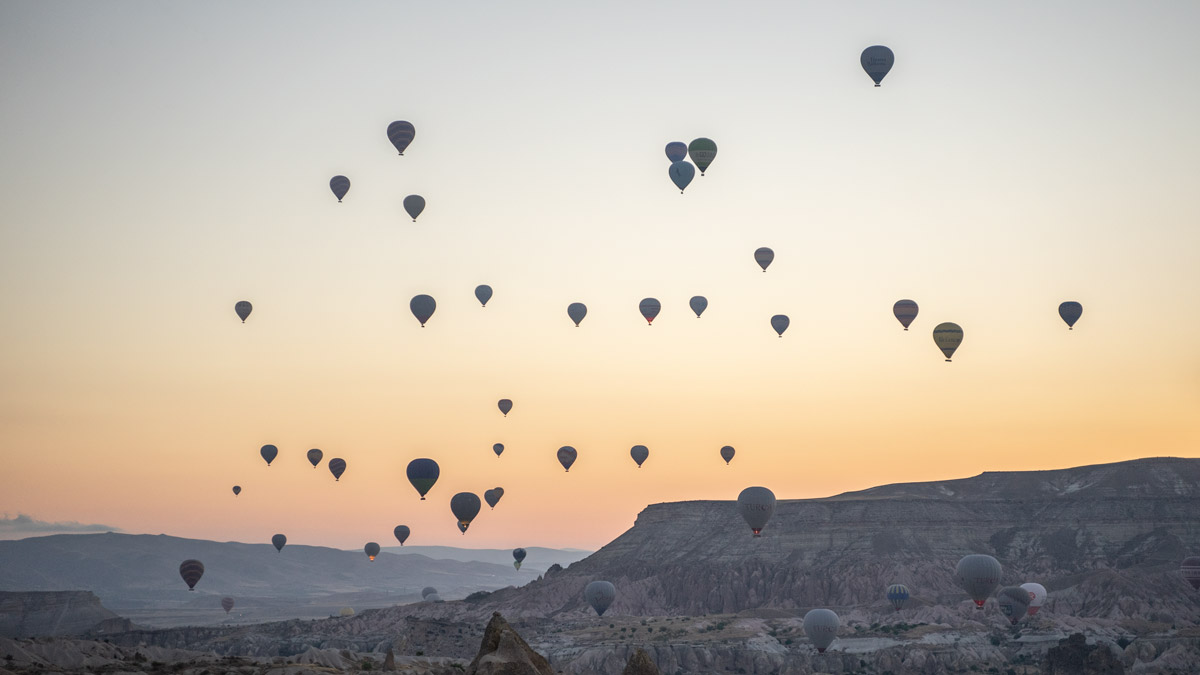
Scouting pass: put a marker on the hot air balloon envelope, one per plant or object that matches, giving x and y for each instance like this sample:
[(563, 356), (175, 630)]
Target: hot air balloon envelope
[(498, 448), (978, 575), (414, 205), (763, 256), (492, 497), (1013, 602), (191, 571), (576, 310), (566, 456), (505, 406), (756, 504), (676, 151), (698, 303), (483, 293), (821, 626), (905, 311), (422, 307), (897, 594), (279, 541), (639, 453), (428, 591), (237, 490), (702, 151), (401, 533), (371, 549), (243, 309), (227, 604), (600, 594), (401, 133), (337, 467), (465, 506), (423, 473), (269, 452), (340, 186), (681, 174), (727, 453), (877, 61), (314, 457), (1070, 312), (649, 307), (780, 323), (1037, 595), (947, 337)]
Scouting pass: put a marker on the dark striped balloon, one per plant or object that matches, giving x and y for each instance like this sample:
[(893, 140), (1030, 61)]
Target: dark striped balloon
[(340, 186), (905, 311), (423, 473), (401, 533), (897, 594), (337, 467), (227, 604), (649, 307), (401, 133), (1190, 569), (191, 571)]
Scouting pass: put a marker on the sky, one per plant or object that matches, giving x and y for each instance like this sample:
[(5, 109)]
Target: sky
[(161, 161)]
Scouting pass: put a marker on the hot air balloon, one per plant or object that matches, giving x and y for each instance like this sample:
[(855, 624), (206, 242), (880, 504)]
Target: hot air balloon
[(763, 256), (414, 205), (498, 448), (237, 490), (978, 575), (821, 626), (698, 303), (518, 557), (191, 571), (337, 467), (372, 550), (1013, 602), (905, 311), (681, 174), (639, 453), (1070, 312), (465, 506), (897, 594), (279, 541), (947, 337), (1191, 571), (492, 497), (600, 594), (649, 307), (505, 405), (428, 591), (756, 504), (340, 186), (346, 611), (727, 453), (1037, 595), (401, 133), (269, 453), (577, 310), (401, 533), (703, 152), (314, 457), (676, 151), (227, 604), (243, 309), (422, 307), (780, 323), (566, 456), (877, 61), (483, 293), (423, 473)]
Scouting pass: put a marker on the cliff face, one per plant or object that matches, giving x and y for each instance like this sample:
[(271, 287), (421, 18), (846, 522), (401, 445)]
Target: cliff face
[(55, 613), (1106, 541)]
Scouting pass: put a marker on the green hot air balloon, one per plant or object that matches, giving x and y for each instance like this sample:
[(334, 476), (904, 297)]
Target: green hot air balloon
[(978, 575), (821, 626), (727, 453), (243, 309), (698, 303), (372, 550), (518, 557), (577, 310), (401, 533), (1070, 313), (639, 453), (414, 205), (340, 186), (279, 541), (401, 133), (337, 467), (465, 506), (314, 457), (567, 456), (877, 61), (423, 473), (191, 571), (905, 311), (702, 151), (269, 452), (422, 307), (600, 595), (947, 336)]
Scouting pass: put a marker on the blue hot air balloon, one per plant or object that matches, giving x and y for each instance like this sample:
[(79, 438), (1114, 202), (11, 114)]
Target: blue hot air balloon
[(681, 174), (676, 151)]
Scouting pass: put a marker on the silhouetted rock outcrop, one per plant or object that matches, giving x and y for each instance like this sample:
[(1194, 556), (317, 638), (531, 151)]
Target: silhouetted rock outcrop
[(504, 652), (640, 664), (1074, 656), (55, 613)]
